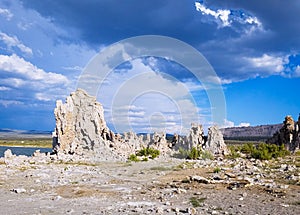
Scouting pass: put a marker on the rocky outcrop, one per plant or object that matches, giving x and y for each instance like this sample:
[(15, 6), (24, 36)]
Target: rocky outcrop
[(215, 142), (80, 126), (289, 134), (81, 130), (196, 136)]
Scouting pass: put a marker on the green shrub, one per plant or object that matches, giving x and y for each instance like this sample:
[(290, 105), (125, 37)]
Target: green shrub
[(145, 159), (217, 170), (182, 153), (268, 151), (153, 153), (197, 202), (262, 151), (247, 148), (193, 154), (207, 155), (134, 158), (234, 152), (147, 152)]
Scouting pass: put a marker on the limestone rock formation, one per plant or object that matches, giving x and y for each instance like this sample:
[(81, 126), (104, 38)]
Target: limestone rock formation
[(80, 126), (196, 136), (196, 139), (215, 142), (81, 131), (289, 134)]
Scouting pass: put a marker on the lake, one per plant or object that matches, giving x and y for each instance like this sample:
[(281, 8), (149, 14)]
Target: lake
[(28, 151)]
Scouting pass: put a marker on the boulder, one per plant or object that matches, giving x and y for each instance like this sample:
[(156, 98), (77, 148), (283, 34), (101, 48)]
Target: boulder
[(8, 154)]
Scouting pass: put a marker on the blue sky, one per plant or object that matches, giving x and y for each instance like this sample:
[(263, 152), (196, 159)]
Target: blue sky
[(253, 47)]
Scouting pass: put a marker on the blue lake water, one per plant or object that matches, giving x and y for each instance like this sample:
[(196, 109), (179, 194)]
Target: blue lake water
[(28, 151)]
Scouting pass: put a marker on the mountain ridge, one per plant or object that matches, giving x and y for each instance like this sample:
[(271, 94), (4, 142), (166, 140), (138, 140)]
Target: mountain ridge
[(251, 131)]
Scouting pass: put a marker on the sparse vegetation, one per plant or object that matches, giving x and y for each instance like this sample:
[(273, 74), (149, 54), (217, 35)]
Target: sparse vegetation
[(193, 154), (134, 158), (148, 152), (37, 142), (196, 202), (145, 154), (185, 165), (262, 151), (217, 170), (297, 153), (234, 152), (207, 155)]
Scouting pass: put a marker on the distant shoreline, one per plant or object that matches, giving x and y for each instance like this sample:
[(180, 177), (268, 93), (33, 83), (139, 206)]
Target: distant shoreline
[(26, 146)]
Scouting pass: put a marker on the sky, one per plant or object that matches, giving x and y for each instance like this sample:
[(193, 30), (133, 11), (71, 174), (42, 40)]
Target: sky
[(253, 48)]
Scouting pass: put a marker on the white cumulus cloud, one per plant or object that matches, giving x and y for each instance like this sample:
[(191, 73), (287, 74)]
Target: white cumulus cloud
[(225, 17), (6, 13), (28, 81), (222, 15), (268, 63), (13, 41), (244, 124), (144, 100), (230, 124), (297, 71), (14, 64), (227, 124)]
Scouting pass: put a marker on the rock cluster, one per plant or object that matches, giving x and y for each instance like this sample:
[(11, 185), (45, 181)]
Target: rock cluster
[(214, 142), (289, 134), (81, 130)]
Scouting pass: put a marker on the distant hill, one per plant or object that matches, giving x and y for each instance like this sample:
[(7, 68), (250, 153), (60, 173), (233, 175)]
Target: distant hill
[(11, 133), (261, 132), (251, 132)]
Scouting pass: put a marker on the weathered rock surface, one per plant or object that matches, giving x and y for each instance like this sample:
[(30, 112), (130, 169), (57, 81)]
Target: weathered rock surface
[(289, 134), (81, 130), (194, 139), (80, 127), (196, 136), (215, 142)]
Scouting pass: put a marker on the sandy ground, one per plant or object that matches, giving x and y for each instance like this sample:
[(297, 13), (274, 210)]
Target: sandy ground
[(160, 186)]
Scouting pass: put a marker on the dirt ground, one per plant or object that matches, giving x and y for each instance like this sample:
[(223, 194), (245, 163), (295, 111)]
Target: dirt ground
[(162, 186)]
